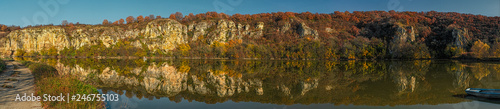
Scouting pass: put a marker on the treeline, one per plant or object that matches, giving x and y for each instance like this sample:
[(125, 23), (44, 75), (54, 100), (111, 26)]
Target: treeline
[(4, 29)]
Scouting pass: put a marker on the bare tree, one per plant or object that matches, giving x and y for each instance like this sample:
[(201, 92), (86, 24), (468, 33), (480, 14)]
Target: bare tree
[(152, 17), (64, 22), (178, 15)]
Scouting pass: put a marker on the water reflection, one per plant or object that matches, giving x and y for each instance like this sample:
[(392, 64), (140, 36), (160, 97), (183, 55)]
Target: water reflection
[(285, 82)]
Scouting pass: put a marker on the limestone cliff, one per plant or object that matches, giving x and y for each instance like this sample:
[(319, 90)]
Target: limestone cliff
[(460, 37), (35, 40), (404, 34), (161, 34)]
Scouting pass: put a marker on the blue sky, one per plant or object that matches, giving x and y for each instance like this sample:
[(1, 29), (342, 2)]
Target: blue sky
[(32, 12)]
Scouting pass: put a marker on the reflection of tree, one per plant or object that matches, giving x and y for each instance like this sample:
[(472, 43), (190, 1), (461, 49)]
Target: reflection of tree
[(284, 82), (479, 70)]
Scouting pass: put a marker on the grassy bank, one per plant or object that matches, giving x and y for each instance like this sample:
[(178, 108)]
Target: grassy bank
[(47, 81)]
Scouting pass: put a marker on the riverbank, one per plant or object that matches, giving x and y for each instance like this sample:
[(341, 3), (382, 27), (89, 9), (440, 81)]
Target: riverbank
[(468, 59), (48, 81), (16, 79)]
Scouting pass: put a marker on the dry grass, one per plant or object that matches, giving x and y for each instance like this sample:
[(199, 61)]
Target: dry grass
[(47, 81)]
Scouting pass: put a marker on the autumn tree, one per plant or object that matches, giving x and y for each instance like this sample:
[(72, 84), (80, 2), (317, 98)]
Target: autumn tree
[(495, 50), (105, 22), (158, 17), (178, 15), (151, 16), (480, 49), (120, 21), (147, 18), (172, 16), (115, 23), (130, 19), (140, 18), (3, 28), (64, 22)]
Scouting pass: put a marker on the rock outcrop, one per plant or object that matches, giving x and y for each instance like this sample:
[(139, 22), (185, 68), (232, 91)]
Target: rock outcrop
[(460, 37), (161, 34), (404, 34), (304, 30), (35, 40)]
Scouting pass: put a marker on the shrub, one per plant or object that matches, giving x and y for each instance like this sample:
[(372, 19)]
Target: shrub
[(480, 49), (70, 52), (495, 50), (3, 65), (19, 52), (48, 81)]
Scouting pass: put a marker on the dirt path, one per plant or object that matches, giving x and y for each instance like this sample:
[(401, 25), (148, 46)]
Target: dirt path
[(16, 79)]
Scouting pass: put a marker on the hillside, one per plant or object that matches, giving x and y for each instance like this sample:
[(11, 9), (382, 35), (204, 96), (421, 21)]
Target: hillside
[(339, 35)]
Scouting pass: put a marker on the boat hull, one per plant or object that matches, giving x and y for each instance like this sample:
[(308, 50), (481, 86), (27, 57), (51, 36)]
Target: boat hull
[(485, 93)]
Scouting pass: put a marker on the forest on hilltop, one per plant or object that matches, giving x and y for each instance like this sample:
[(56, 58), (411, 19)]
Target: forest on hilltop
[(338, 35)]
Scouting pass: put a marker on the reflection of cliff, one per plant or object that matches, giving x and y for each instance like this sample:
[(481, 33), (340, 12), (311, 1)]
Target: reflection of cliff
[(405, 74), (277, 82), (165, 80), (462, 77)]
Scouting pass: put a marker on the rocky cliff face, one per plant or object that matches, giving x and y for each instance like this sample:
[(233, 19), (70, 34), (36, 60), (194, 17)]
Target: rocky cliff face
[(404, 34), (460, 37), (164, 35), (35, 39), (304, 30), (161, 34)]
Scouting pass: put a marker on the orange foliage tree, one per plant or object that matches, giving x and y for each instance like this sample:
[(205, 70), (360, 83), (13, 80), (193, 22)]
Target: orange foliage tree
[(140, 18), (130, 19), (105, 22), (121, 21)]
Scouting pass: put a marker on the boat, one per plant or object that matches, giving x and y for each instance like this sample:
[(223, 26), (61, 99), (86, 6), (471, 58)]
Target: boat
[(485, 93)]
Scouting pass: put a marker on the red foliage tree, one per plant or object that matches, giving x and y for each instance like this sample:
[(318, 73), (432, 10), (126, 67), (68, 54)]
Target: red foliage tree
[(178, 15), (121, 21), (140, 18), (105, 22), (3, 28), (172, 16), (130, 19)]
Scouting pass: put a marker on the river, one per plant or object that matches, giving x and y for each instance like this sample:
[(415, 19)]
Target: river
[(277, 84)]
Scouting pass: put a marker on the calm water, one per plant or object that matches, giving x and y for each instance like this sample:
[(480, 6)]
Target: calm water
[(285, 84)]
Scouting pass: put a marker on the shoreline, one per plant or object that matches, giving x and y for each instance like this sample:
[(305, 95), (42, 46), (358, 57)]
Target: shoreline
[(280, 59), (21, 81)]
